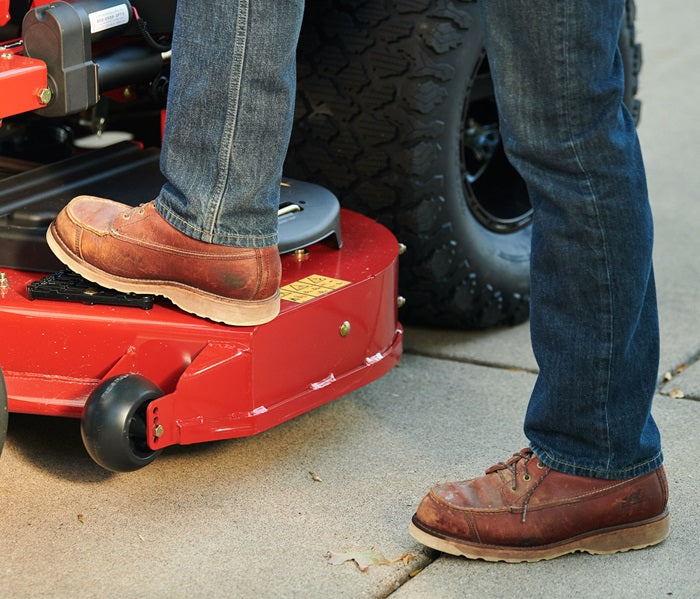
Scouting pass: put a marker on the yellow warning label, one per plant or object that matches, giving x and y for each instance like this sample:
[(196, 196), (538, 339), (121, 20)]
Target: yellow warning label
[(309, 288)]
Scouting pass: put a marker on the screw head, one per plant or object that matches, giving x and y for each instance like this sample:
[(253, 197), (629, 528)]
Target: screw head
[(345, 329), (400, 301), (158, 431)]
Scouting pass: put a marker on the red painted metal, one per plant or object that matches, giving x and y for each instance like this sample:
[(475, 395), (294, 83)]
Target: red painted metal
[(21, 80), (218, 381), (4, 12)]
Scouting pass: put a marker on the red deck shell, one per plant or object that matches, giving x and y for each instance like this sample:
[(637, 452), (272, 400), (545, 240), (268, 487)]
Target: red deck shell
[(218, 381)]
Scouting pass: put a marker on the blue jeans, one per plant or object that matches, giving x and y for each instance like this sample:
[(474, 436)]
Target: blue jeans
[(558, 78), (230, 113)]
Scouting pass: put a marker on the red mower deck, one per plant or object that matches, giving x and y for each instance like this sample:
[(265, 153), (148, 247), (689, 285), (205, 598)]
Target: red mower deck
[(189, 380)]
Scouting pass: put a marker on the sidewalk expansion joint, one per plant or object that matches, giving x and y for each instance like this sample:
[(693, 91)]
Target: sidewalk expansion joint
[(429, 556), (472, 361)]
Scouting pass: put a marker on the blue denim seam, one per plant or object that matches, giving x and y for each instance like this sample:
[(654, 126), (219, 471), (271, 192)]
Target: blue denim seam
[(605, 289), (231, 118)]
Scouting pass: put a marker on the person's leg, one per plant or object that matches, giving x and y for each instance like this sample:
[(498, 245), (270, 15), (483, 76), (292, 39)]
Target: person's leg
[(594, 322), (208, 242), (230, 113), (558, 79)]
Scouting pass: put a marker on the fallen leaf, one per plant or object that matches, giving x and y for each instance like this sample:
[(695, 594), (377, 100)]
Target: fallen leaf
[(405, 558), (680, 369), (81, 519), (668, 376), (364, 559), (676, 393), (315, 477)]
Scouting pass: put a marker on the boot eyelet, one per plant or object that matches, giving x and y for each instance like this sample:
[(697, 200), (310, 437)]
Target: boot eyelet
[(514, 489), (541, 466), (527, 477)]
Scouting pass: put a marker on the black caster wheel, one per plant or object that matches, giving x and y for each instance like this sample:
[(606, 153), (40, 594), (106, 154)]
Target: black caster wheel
[(114, 423), (3, 411)]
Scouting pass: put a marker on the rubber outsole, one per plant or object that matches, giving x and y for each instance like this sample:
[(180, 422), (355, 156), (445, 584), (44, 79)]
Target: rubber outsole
[(200, 303), (637, 536)]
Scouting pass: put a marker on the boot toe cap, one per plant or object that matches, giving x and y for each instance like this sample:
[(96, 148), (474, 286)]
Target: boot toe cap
[(89, 213)]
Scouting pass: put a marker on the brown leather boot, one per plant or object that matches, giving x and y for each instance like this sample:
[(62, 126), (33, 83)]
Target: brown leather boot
[(522, 510), (136, 250)]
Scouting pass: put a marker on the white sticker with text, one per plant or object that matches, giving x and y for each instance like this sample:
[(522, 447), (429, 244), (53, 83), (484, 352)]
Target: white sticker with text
[(108, 18)]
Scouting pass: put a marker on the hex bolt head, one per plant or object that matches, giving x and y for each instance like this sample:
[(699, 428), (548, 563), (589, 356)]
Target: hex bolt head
[(44, 96)]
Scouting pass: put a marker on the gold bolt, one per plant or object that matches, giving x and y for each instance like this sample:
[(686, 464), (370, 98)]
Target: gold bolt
[(44, 96), (400, 301), (4, 283), (402, 249), (158, 431), (301, 254), (345, 329)]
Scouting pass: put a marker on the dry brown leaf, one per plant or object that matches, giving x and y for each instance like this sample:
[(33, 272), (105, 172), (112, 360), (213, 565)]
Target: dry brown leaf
[(680, 369), (676, 393), (81, 519), (364, 559), (315, 477), (405, 558)]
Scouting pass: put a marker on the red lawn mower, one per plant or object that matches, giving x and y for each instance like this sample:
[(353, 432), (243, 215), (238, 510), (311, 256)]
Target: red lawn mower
[(139, 373)]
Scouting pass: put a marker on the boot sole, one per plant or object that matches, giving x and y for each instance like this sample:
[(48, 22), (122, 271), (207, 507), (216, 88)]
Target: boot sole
[(207, 305), (636, 536)]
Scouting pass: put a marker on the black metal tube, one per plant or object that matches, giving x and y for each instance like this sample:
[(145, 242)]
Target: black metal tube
[(127, 65)]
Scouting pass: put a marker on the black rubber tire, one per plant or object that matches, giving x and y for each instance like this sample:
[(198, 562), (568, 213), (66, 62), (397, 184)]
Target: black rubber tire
[(389, 93), (3, 411), (114, 423)]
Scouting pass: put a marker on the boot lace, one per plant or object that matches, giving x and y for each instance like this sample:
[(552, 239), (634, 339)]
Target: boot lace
[(522, 457)]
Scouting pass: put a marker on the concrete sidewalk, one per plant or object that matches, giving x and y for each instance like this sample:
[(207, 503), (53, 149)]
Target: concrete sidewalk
[(258, 517)]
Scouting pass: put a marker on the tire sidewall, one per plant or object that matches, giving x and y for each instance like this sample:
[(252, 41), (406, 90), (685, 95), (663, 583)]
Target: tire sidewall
[(501, 260)]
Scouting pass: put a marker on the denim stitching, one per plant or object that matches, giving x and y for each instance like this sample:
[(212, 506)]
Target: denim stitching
[(606, 290), (234, 89)]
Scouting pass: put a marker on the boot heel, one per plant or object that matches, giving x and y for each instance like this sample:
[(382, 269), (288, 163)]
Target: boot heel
[(636, 537)]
